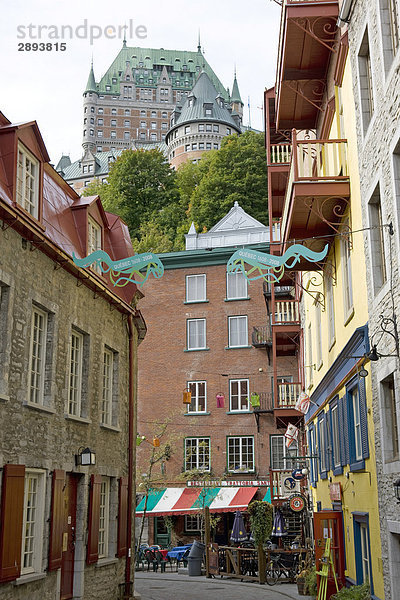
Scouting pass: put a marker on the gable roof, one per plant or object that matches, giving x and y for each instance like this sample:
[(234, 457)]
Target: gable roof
[(236, 219)]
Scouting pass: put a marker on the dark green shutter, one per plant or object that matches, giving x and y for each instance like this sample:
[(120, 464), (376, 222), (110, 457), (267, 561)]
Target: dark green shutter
[(363, 418)]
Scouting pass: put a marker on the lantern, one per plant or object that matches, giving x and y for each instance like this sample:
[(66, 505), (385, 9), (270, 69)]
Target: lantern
[(187, 396), (220, 400)]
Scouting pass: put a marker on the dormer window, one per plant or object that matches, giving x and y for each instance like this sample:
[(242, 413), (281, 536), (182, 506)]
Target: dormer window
[(94, 239), (128, 78), (108, 88), (28, 169), (114, 80)]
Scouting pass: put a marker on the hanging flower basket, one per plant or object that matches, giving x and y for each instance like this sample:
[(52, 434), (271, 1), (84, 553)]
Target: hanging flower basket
[(255, 400), (220, 400), (187, 396)]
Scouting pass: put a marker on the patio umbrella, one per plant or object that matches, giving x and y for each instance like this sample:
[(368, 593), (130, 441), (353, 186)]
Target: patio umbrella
[(279, 529), (238, 530)]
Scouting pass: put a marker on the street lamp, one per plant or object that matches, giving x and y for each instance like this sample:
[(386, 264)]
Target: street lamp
[(85, 457)]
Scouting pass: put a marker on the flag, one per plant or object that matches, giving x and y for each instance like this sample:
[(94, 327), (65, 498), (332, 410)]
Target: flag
[(291, 434), (303, 403)]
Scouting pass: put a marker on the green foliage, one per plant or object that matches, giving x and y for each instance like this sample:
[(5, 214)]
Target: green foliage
[(170, 522), (96, 188), (151, 239), (311, 582), (356, 592), (261, 516)]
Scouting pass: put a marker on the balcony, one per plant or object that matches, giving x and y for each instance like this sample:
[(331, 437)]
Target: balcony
[(317, 193), (306, 43), (279, 290), (266, 406), (286, 312), (280, 154), (287, 395), (261, 336)]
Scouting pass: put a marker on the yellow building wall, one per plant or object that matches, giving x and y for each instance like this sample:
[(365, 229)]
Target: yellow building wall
[(360, 493)]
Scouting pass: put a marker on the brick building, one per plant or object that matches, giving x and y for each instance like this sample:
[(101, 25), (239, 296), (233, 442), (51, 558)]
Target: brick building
[(68, 343), (209, 332)]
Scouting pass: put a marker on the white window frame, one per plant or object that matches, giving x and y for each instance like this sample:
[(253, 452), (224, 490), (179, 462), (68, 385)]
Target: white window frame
[(196, 395), (322, 443), (243, 468), (107, 387), (365, 558), (37, 358), (34, 527), (200, 288), (286, 452), (94, 241), (240, 408), (104, 517), (193, 523), (27, 181), (75, 373), (234, 329), (189, 322), (194, 444), (236, 281), (309, 365)]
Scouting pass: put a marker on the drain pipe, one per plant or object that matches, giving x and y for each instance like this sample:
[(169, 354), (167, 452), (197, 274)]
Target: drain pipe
[(344, 15), (132, 432)]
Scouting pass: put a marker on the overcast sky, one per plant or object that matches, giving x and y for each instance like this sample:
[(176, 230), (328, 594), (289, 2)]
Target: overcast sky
[(47, 86)]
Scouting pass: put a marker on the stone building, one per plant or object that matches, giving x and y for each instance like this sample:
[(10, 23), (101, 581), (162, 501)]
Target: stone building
[(209, 333), (201, 123), (68, 345), (374, 31), (131, 106)]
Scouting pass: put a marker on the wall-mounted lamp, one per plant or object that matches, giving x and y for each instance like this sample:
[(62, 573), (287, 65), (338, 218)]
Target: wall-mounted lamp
[(85, 457), (363, 372), (396, 486)]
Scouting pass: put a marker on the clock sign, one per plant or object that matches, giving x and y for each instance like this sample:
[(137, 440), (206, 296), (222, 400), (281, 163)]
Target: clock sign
[(297, 503)]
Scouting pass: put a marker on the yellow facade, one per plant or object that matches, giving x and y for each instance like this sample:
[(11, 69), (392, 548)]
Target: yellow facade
[(332, 328)]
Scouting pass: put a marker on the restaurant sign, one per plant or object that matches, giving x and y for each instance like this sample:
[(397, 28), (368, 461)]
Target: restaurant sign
[(335, 492), (219, 483), (259, 265)]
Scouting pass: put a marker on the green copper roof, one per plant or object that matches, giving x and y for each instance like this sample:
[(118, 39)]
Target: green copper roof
[(204, 95), (145, 67), (235, 96), (91, 84), (202, 258)]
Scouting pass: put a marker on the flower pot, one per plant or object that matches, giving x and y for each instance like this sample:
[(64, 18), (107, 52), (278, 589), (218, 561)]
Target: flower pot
[(301, 586)]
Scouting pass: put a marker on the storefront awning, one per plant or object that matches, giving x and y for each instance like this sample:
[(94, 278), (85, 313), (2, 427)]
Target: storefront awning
[(181, 501)]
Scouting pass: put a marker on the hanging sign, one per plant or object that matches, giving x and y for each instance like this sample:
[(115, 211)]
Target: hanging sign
[(297, 503), (298, 474), (335, 492), (259, 265), (134, 269)]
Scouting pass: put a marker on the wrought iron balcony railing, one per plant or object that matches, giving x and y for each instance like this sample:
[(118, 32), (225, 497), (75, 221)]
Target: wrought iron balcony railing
[(261, 336)]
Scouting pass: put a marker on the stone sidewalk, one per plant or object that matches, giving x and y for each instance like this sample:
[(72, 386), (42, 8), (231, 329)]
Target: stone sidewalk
[(179, 586)]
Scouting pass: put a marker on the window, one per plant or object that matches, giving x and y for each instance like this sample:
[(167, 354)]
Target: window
[(216, 128), (107, 387), (113, 135), (32, 529), (201, 145), (164, 125), (153, 113), (215, 146), (362, 550), (330, 309), (75, 374), (164, 115), (199, 399), (376, 239), (127, 123), (208, 127), (187, 147), (237, 332), (390, 420), (239, 395), (92, 108), (126, 135), (28, 169), (201, 127), (197, 454), (390, 30), (37, 356), (108, 88), (194, 146), (113, 111), (153, 137), (99, 133), (280, 454), (100, 122), (192, 523), (153, 125), (208, 145), (94, 239), (100, 111), (208, 112), (335, 436), (309, 365), (113, 122), (240, 454), (127, 112), (142, 113), (313, 452), (91, 132), (104, 517), (365, 82), (322, 450), (196, 334), (355, 419), (195, 288), (143, 124), (236, 286), (346, 274), (318, 333), (228, 131)]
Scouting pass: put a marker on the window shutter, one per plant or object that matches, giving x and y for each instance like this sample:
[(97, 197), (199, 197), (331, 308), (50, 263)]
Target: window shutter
[(363, 418), (310, 452), (346, 440), (329, 441), (94, 520), (11, 519), (57, 519), (122, 517)]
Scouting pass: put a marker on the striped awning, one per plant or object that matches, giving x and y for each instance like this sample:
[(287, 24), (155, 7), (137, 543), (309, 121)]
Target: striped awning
[(181, 501)]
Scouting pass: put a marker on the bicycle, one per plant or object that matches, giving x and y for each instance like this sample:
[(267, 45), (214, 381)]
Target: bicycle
[(282, 564)]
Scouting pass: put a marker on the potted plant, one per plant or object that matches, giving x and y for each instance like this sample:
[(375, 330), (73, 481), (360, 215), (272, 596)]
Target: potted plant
[(355, 592), (307, 582)]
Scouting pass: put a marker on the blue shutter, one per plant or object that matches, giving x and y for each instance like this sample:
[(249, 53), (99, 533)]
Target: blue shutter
[(346, 440), (329, 436), (311, 450), (363, 418), (322, 427)]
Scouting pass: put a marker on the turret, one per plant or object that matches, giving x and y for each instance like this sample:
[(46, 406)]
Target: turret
[(236, 100)]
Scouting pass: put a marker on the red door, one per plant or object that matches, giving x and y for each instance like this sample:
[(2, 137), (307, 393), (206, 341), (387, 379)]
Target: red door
[(329, 523), (68, 555)]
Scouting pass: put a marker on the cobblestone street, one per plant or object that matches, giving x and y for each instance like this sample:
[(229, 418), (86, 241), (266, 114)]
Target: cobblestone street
[(177, 586)]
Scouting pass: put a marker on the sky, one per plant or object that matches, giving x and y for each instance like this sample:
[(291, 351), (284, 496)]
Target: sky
[(47, 86)]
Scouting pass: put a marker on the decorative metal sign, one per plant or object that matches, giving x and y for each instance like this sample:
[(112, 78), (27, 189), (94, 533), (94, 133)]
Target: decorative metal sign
[(259, 265), (298, 474), (297, 503), (236, 483), (134, 269)]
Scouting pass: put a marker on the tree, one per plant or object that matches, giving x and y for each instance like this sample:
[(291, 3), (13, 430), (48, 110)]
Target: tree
[(261, 514), (237, 172)]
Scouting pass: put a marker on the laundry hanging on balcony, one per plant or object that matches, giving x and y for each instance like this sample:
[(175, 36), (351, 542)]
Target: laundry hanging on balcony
[(291, 434), (220, 400), (255, 400)]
